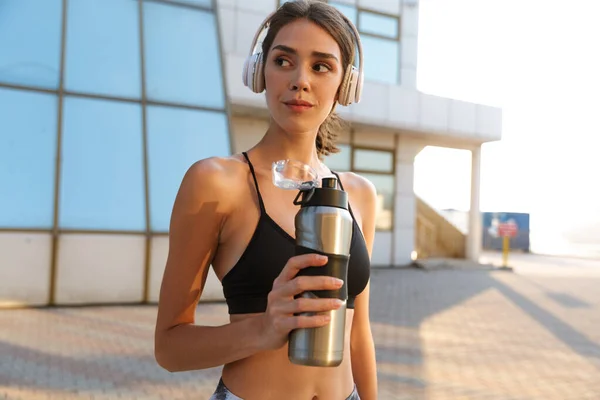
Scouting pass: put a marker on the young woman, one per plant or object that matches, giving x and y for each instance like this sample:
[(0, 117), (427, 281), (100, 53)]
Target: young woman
[(228, 214)]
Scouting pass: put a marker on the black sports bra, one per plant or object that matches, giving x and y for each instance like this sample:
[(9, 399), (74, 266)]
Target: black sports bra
[(247, 285)]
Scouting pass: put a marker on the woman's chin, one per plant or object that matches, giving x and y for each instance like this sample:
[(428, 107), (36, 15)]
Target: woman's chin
[(301, 130), (298, 128)]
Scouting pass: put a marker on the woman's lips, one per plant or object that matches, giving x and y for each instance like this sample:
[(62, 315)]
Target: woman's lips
[(298, 105)]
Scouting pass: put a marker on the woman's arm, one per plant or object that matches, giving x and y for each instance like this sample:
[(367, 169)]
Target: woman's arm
[(202, 205), (199, 211), (362, 348)]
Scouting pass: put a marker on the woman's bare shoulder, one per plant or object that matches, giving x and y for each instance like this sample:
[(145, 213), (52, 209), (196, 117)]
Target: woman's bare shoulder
[(216, 177), (362, 192), (356, 183)]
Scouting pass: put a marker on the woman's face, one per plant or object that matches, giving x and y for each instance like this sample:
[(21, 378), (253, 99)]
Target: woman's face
[(303, 71)]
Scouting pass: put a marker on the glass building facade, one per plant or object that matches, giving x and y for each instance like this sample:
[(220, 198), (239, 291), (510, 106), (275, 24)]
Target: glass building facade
[(104, 104)]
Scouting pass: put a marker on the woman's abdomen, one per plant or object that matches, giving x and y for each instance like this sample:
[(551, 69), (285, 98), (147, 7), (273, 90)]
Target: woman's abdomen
[(270, 374)]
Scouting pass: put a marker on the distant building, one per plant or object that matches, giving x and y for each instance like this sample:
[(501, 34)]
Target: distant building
[(104, 105)]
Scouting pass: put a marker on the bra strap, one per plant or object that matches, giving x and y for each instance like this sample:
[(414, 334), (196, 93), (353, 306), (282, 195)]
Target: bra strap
[(342, 187), (260, 200)]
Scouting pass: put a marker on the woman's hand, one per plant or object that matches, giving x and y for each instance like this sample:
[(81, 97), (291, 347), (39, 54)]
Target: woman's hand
[(279, 319)]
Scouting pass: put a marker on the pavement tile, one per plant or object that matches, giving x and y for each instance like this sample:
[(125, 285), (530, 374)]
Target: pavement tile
[(441, 334)]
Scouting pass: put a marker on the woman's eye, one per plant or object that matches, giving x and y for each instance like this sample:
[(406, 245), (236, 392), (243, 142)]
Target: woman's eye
[(322, 68), (282, 62)]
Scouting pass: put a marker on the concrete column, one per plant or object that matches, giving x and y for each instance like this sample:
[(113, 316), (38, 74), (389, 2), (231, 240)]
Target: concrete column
[(405, 208), (408, 50), (474, 234)]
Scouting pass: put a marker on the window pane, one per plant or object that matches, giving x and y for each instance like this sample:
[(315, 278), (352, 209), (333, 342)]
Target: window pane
[(381, 59), (27, 158), (103, 52), (385, 200), (182, 56), (340, 161), (373, 160), (378, 24), (348, 11), (30, 42), (176, 139), (102, 178)]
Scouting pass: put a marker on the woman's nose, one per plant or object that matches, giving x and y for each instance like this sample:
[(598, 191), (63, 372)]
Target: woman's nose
[(300, 80)]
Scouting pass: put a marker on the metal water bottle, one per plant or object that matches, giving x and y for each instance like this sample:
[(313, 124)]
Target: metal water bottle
[(323, 225)]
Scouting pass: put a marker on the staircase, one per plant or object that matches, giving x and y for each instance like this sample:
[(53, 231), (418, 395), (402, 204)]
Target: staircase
[(436, 237)]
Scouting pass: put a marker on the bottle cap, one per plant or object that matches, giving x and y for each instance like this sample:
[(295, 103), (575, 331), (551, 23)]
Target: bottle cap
[(327, 195)]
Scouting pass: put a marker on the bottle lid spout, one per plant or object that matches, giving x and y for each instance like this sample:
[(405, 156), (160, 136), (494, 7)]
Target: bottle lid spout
[(329, 183)]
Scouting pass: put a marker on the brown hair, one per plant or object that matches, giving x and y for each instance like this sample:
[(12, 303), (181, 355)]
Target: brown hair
[(332, 21)]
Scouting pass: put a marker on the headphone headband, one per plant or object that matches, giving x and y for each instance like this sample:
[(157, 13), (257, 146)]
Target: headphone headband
[(261, 29), (253, 65)]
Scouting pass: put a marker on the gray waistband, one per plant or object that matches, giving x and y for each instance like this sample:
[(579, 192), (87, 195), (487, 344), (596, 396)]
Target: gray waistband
[(222, 393)]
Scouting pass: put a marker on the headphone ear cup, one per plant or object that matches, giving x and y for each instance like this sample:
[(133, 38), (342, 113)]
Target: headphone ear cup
[(354, 87), (252, 74), (359, 86), (344, 88), (245, 71), (259, 74)]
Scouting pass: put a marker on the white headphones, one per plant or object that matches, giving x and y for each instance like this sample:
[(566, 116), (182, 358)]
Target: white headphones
[(350, 89)]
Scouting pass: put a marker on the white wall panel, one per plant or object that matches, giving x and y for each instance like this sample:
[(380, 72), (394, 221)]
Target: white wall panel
[(405, 211), (373, 105), (227, 28), (462, 117), (408, 78), (410, 21), (100, 268), (489, 122), (409, 48), (246, 25), (404, 106), (434, 112), (382, 249), (24, 268)]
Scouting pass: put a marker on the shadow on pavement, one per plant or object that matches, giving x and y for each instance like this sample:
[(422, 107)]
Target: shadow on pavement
[(405, 299)]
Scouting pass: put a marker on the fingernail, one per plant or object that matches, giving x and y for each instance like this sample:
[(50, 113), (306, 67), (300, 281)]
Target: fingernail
[(339, 282), (321, 258)]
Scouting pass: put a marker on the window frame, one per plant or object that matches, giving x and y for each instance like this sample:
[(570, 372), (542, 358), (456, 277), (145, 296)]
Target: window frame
[(352, 147), (373, 148), (381, 173), (398, 18), (396, 39)]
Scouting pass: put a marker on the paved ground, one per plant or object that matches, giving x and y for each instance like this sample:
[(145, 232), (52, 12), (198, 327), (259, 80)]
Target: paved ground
[(440, 334)]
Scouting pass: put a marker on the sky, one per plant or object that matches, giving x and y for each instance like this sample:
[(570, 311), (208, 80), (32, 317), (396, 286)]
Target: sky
[(539, 61)]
